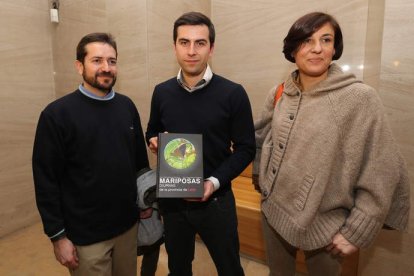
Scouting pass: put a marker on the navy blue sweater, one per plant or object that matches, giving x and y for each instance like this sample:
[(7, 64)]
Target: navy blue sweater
[(85, 158), (220, 111)]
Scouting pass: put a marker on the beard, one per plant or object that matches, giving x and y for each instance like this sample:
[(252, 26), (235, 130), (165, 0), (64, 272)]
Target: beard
[(105, 86)]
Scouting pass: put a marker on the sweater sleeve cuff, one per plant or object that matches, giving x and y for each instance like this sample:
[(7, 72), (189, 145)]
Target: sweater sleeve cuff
[(398, 215), (360, 229), (60, 235), (215, 181)]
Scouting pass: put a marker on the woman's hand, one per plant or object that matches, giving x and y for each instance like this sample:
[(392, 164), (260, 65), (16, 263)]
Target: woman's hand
[(341, 246)]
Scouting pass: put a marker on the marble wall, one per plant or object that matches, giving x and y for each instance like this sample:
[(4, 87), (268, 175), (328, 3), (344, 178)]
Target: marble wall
[(26, 82), (76, 18), (38, 67), (393, 252), (250, 37), (38, 58)]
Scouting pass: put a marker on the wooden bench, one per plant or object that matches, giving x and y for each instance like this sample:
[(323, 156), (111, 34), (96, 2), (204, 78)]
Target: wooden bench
[(249, 217), (250, 227)]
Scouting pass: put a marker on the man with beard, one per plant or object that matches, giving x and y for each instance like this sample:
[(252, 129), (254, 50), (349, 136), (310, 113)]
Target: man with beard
[(88, 148)]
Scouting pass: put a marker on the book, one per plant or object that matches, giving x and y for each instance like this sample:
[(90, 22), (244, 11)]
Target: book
[(180, 166)]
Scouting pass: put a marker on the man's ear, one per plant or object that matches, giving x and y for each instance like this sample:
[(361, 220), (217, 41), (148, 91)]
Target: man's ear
[(79, 67), (211, 50)]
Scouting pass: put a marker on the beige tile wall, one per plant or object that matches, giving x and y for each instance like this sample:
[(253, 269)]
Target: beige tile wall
[(374, 33), (76, 19), (26, 83), (250, 37), (393, 253), (37, 67), (38, 59)]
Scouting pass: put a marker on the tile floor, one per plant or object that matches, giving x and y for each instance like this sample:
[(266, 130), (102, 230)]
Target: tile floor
[(28, 253)]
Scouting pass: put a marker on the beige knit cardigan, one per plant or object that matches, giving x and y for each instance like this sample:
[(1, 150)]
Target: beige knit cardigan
[(328, 163)]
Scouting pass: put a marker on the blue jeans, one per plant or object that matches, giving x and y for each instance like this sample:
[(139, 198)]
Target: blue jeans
[(216, 223)]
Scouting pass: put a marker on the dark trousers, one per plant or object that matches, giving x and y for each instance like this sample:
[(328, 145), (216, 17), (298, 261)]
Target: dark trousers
[(150, 262), (216, 223), (150, 255)]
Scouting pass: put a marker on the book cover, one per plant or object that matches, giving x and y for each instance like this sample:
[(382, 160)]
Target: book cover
[(180, 166)]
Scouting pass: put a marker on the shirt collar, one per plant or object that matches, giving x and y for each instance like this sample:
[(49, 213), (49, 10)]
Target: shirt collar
[(208, 75), (89, 94)]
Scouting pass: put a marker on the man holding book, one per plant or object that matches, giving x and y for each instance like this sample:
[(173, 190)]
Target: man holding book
[(198, 101)]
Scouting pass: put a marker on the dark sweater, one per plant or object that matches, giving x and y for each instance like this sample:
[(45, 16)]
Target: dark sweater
[(85, 158), (220, 111)]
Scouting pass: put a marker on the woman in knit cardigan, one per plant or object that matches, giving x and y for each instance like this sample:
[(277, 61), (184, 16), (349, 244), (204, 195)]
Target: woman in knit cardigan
[(330, 173)]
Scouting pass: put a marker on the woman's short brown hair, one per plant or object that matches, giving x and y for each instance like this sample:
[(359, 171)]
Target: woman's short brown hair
[(304, 27)]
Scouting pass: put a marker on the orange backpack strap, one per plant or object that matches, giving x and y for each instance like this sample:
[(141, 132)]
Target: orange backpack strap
[(279, 92)]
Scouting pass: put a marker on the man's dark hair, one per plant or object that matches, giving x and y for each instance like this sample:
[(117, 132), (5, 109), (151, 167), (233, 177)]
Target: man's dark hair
[(304, 27), (195, 18), (90, 38)]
